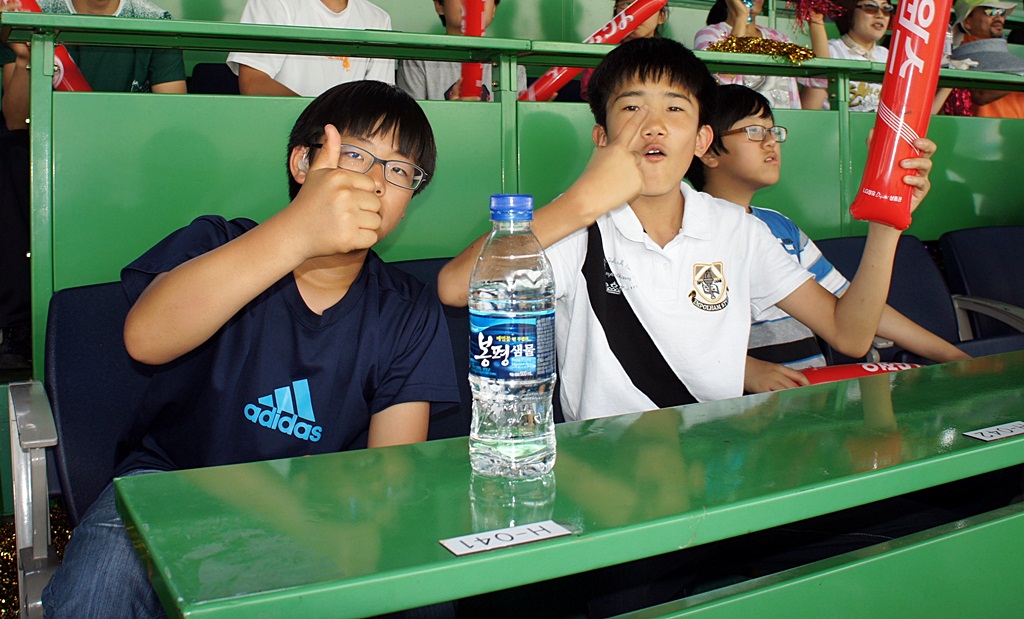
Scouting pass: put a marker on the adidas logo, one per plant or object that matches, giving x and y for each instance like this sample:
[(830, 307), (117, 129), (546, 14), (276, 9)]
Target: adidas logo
[(285, 412)]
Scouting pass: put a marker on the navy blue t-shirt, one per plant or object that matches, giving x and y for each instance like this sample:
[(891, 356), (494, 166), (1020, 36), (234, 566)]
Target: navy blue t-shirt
[(278, 380)]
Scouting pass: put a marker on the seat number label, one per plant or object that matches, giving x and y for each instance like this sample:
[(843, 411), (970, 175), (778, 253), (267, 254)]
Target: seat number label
[(995, 433), (503, 538)]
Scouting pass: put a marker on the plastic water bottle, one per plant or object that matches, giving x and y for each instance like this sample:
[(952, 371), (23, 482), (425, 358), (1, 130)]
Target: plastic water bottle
[(512, 347)]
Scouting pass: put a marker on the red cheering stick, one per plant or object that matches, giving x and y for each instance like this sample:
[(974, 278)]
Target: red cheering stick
[(831, 373), (66, 75), (473, 26), (613, 32), (903, 112)]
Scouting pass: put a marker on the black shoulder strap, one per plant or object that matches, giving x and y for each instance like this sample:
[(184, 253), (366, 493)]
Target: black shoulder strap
[(630, 343)]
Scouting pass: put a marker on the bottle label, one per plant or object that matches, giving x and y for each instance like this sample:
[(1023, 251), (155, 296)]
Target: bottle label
[(517, 346)]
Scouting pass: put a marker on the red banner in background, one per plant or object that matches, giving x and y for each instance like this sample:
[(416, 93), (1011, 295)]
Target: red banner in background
[(66, 74), (472, 26), (614, 31), (908, 89)]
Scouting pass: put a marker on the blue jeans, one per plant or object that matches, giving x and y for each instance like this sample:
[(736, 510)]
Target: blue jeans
[(101, 575)]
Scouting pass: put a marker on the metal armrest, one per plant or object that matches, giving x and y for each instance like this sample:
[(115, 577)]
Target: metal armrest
[(32, 431), (878, 344), (1003, 312)]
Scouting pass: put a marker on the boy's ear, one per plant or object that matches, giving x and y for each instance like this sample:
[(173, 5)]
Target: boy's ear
[(709, 159), (704, 137), (600, 136), (439, 6), (298, 163)]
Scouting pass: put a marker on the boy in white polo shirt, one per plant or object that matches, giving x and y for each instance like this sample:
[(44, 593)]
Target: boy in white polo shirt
[(656, 282)]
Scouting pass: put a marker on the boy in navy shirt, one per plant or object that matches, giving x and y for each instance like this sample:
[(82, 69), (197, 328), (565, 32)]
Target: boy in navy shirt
[(281, 339)]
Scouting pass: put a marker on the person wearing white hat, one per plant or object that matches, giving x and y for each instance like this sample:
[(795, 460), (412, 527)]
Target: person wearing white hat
[(975, 20), (993, 55), (979, 19)]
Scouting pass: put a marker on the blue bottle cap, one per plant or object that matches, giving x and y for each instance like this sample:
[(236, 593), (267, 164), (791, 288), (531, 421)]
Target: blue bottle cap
[(511, 207)]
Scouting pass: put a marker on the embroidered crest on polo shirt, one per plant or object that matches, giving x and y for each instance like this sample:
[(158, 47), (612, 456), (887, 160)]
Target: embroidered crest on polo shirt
[(289, 410), (710, 291)]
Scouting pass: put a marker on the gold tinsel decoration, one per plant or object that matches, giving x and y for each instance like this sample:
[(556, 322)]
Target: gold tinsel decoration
[(756, 45), (61, 533)]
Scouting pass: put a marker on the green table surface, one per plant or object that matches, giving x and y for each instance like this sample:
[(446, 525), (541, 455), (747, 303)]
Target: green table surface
[(357, 533)]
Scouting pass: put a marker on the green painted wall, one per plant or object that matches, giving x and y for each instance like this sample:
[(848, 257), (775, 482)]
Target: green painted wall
[(210, 156)]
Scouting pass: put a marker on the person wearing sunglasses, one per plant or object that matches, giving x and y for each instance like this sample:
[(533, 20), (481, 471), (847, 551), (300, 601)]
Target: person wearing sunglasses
[(978, 37), (861, 24), (979, 19)]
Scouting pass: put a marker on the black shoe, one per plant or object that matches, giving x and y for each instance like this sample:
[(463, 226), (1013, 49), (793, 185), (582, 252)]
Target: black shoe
[(16, 348)]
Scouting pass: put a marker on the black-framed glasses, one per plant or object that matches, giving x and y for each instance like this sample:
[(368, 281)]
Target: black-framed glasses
[(995, 12), (757, 133), (872, 9), (397, 172)]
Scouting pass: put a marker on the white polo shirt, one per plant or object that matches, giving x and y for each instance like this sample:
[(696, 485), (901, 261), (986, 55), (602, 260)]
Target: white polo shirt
[(695, 298), (310, 76)]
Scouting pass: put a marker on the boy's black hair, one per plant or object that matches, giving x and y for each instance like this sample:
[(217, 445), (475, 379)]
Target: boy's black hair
[(367, 109), (650, 60), (733, 103), (444, 22)]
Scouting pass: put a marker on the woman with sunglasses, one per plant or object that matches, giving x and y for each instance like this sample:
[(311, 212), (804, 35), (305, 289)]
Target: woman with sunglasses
[(862, 24)]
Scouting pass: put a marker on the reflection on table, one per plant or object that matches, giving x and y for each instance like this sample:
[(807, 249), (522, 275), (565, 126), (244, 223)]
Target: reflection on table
[(357, 533)]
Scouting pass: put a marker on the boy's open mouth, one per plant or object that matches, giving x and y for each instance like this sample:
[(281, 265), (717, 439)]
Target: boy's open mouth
[(654, 152)]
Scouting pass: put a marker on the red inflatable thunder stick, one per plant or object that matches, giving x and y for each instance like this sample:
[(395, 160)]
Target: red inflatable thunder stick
[(903, 112), (613, 32), (472, 26), (831, 373), (66, 74)]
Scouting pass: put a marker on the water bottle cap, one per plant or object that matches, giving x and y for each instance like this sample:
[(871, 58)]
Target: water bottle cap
[(511, 207)]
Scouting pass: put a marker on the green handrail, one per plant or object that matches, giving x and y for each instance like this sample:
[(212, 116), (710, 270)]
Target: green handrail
[(217, 36)]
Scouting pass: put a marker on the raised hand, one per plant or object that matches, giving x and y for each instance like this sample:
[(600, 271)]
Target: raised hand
[(338, 209), (612, 176), (743, 14)]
